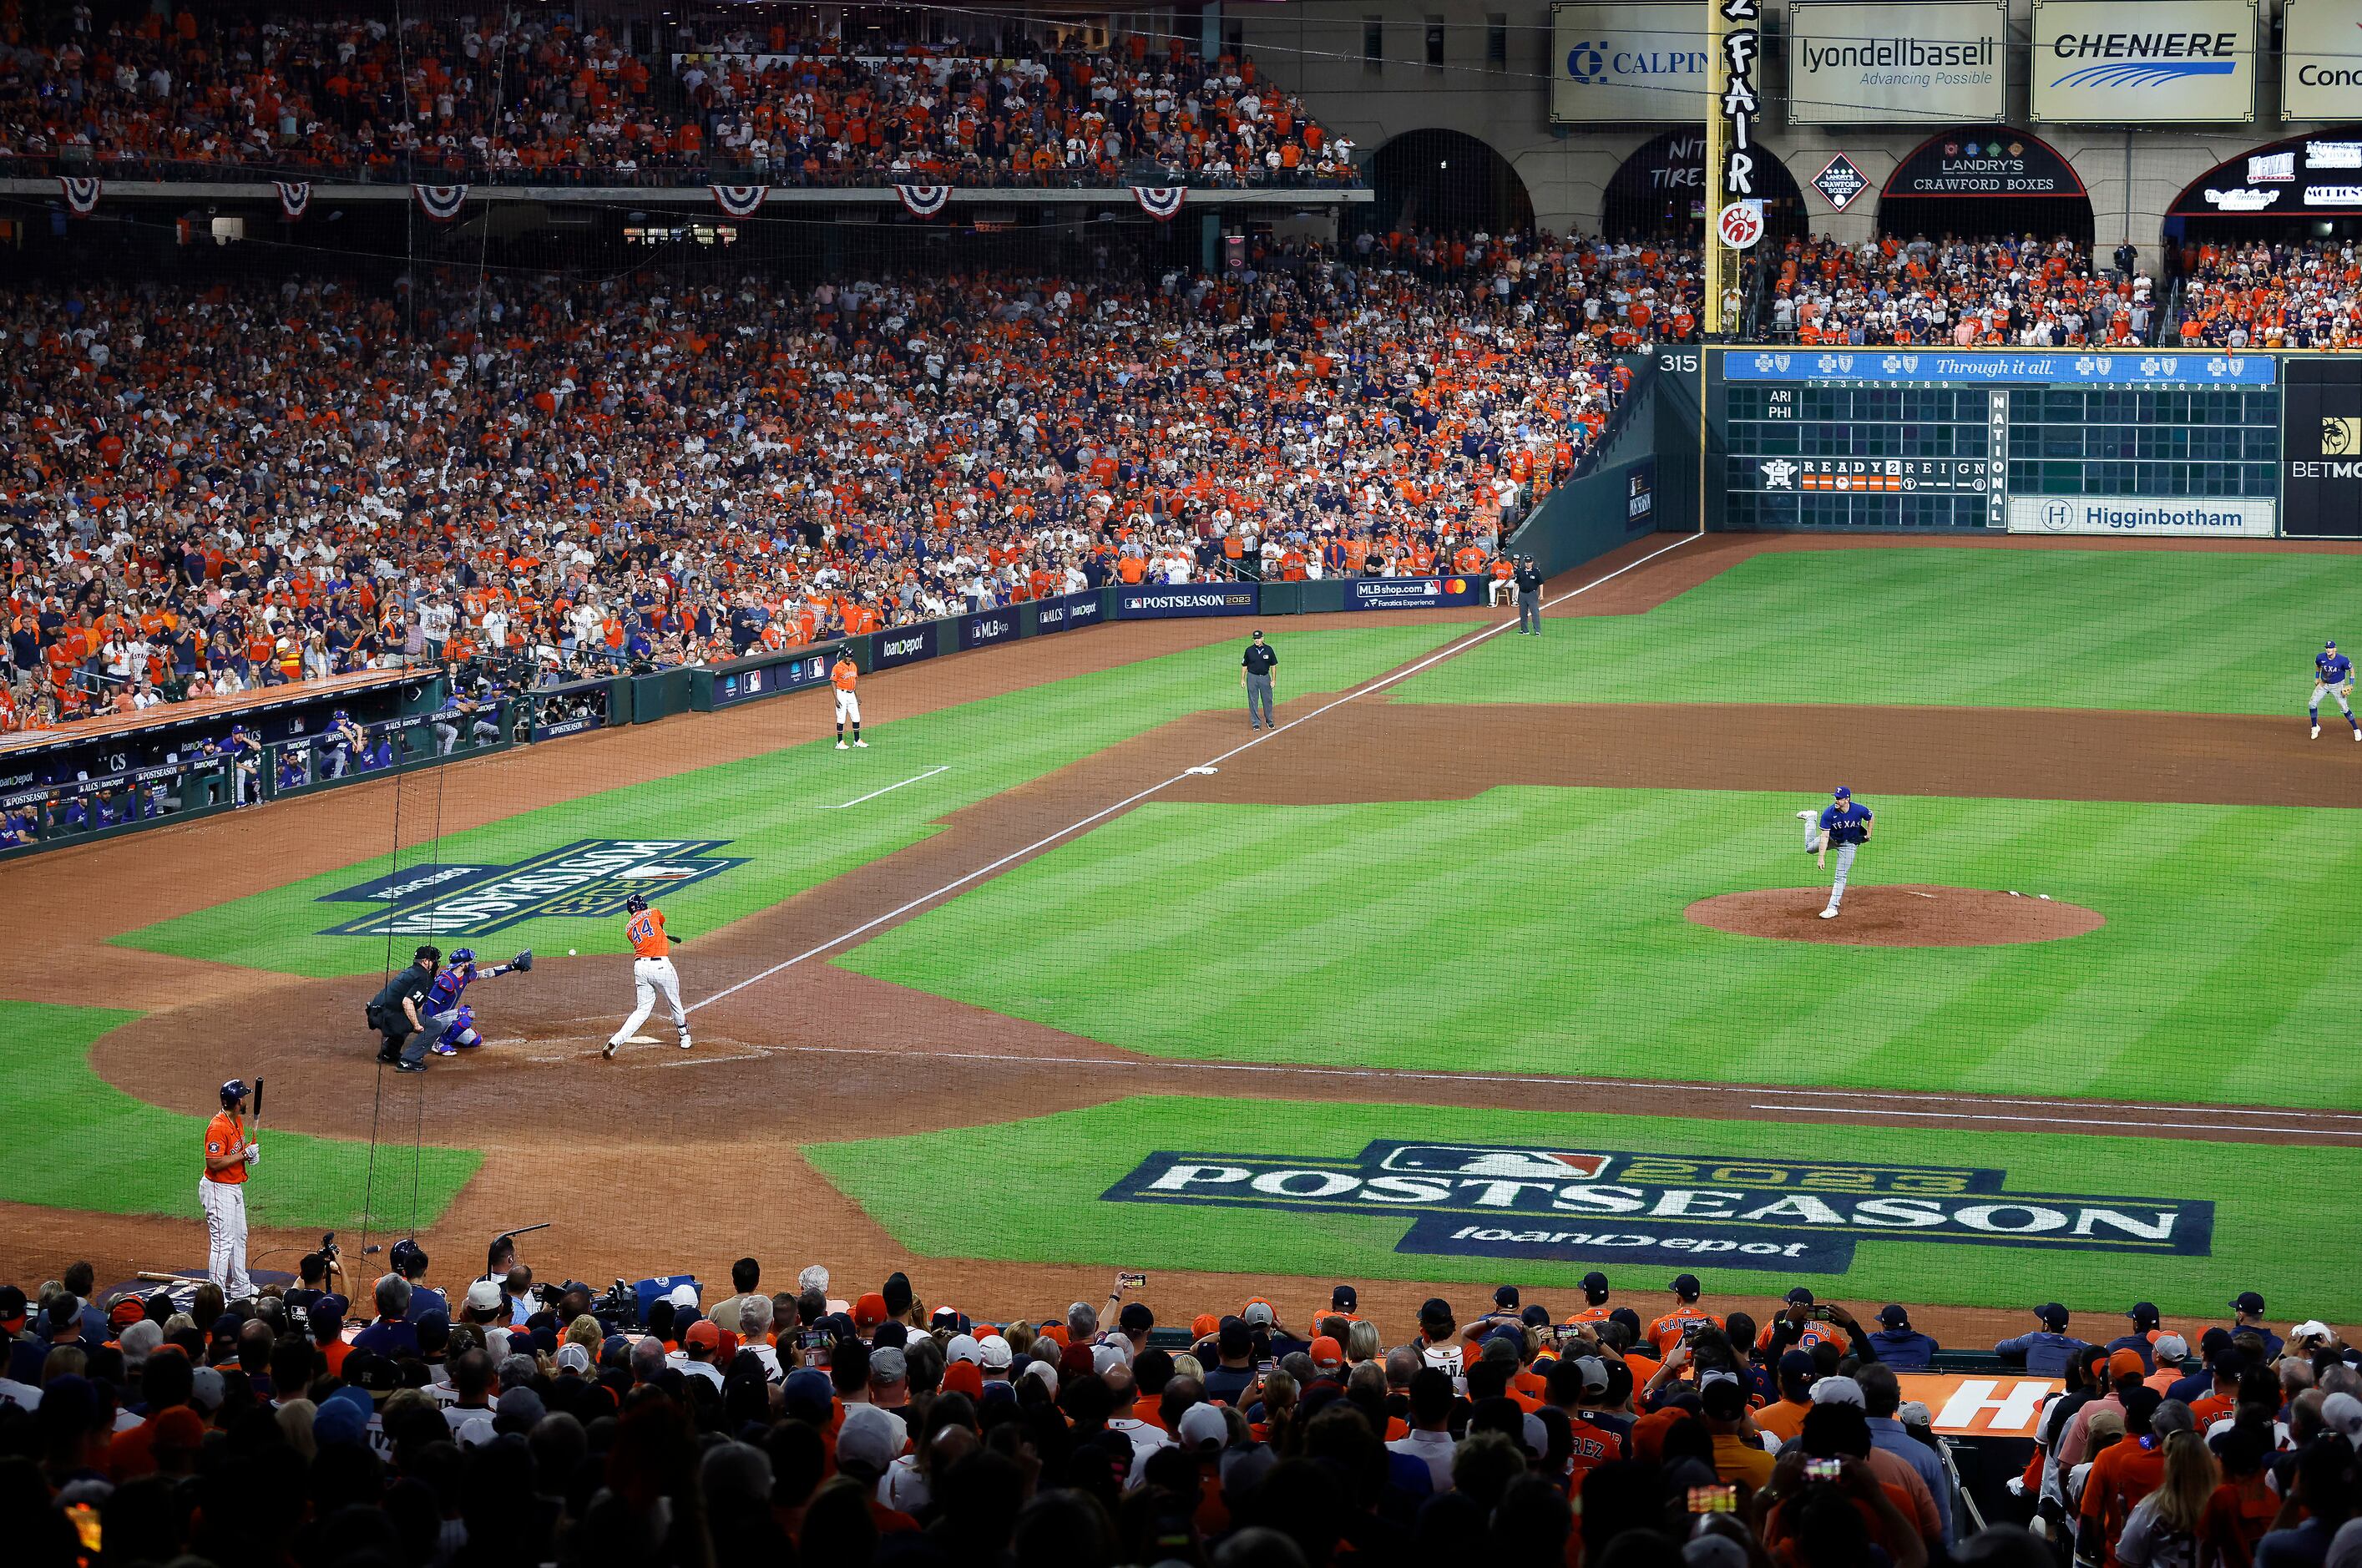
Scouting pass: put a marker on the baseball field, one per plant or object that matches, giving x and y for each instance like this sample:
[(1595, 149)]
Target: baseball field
[(1498, 960)]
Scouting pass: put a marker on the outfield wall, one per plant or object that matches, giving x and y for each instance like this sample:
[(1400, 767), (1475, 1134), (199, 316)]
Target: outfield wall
[(2059, 442)]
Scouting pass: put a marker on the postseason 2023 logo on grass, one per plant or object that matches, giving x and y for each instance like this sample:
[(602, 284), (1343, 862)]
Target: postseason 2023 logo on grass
[(588, 878), (1475, 1200)]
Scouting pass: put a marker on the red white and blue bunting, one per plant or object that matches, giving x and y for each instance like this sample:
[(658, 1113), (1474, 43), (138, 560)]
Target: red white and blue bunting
[(739, 201), (294, 196), (441, 202), (924, 201), (1160, 202), (80, 193)]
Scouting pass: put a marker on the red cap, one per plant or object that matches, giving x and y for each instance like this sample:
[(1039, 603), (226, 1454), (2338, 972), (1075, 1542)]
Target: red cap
[(1327, 1353), (964, 1377), (704, 1331), (869, 1310), (2126, 1363)]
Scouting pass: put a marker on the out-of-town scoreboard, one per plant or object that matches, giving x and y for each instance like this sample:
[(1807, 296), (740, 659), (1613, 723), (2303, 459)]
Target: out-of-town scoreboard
[(2035, 441)]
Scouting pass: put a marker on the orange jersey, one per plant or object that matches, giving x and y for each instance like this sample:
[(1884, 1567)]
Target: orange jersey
[(646, 933), (223, 1134), (844, 673), (1666, 1332)]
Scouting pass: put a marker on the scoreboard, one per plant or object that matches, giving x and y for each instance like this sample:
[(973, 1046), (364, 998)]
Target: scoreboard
[(2032, 441)]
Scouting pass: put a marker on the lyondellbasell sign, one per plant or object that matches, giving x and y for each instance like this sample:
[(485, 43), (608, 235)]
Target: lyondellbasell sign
[(1569, 1205), (1924, 63)]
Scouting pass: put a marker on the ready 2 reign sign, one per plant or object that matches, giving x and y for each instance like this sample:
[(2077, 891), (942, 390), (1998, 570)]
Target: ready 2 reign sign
[(1475, 1200)]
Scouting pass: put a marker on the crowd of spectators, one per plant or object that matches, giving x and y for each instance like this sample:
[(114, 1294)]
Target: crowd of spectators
[(398, 1425), (495, 96), (1992, 292), (2271, 295), (208, 490)]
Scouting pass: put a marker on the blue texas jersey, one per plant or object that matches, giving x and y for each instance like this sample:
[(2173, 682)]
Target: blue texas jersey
[(444, 994), (1846, 823), (2332, 668)]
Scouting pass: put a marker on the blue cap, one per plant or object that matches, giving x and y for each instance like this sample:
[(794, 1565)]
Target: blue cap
[(1843, 793)]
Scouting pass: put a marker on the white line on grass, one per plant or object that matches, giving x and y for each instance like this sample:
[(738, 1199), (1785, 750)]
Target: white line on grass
[(2113, 1125), (1463, 645), (890, 789)]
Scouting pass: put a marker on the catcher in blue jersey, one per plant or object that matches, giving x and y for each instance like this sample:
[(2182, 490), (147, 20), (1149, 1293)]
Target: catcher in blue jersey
[(2332, 672), (451, 982)]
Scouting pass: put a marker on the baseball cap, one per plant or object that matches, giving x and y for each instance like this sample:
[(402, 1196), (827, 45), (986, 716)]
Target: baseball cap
[(963, 1347), (1593, 1372), (1506, 1296), (1435, 1309), (1894, 1317), (2107, 1423), (1344, 1298), (683, 1295), (1842, 793), (704, 1331), (2143, 1314), (484, 1296), (1202, 1426), (808, 1395), (1536, 1316), (1721, 1396), (870, 1436), (2126, 1363), (1258, 633), (1796, 1364), (1259, 1315), (1327, 1353), (1684, 1284), (888, 1366), (2311, 1329), (1800, 1297), (573, 1358), (11, 1308), (1594, 1286), (2053, 1314), (1838, 1391), (869, 1310), (996, 1353), (2171, 1347), (206, 1389), (1135, 1318), (964, 1377), (2247, 1301), (896, 1293)]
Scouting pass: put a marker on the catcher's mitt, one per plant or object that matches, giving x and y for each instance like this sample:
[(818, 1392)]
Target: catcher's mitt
[(522, 962)]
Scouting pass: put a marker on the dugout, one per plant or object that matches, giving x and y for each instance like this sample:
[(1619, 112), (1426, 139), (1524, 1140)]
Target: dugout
[(2289, 192), (1974, 180)]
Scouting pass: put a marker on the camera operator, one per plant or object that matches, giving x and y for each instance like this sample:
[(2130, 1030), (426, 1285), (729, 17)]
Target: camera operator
[(320, 1274)]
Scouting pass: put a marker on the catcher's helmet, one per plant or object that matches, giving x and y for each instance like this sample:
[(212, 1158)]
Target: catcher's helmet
[(635, 903), (462, 956), (232, 1092)]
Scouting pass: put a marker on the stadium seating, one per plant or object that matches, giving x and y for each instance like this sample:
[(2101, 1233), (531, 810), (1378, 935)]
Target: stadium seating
[(1990, 292), (601, 482), (321, 1421), (2270, 296)]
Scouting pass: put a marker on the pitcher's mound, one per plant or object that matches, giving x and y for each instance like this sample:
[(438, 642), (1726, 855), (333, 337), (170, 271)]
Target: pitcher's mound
[(1906, 916)]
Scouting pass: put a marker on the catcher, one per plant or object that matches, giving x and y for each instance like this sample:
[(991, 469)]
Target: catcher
[(452, 980), (2332, 672)]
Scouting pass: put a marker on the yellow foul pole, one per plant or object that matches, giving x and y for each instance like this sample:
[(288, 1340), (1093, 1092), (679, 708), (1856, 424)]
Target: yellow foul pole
[(1717, 80)]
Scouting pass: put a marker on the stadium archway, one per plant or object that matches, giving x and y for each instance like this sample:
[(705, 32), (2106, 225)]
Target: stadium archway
[(1659, 191), (2300, 188), (1448, 182), (1975, 180)]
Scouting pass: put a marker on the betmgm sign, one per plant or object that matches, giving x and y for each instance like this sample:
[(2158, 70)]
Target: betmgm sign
[(1575, 1206)]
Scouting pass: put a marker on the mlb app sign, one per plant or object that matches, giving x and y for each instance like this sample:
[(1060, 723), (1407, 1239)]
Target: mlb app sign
[(1580, 1205)]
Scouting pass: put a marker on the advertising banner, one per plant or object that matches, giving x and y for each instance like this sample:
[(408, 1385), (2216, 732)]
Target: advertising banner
[(1886, 64), (2212, 516), (903, 645), (1975, 162), (2161, 62), (2320, 60), (2321, 447), (1065, 612), (2007, 1406), (1971, 365), (1412, 592), (1147, 603), (746, 684), (1627, 64), (2305, 174), (986, 628)]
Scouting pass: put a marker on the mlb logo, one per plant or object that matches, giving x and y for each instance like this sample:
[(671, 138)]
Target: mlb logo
[(1466, 1160)]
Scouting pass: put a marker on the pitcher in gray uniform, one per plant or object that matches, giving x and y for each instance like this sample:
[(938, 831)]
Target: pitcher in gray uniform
[(1254, 674), (1842, 825)]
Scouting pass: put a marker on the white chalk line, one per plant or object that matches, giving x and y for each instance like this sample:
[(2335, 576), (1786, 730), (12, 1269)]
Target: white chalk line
[(890, 789), (1463, 645), (2113, 1124)]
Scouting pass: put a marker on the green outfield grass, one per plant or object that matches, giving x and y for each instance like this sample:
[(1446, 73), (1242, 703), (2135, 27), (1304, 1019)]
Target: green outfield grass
[(1047, 1176), (770, 808), (2171, 631), (77, 1142), (1538, 929)]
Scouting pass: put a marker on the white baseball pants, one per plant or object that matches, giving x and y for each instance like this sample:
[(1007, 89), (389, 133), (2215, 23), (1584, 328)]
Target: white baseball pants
[(225, 1207), (650, 976), (848, 707)]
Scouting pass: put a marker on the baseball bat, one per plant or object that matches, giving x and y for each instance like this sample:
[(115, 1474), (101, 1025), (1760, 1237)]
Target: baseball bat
[(257, 1100)]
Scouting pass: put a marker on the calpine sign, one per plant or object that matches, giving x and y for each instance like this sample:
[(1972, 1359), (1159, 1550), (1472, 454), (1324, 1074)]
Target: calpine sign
[(1591, 1205)]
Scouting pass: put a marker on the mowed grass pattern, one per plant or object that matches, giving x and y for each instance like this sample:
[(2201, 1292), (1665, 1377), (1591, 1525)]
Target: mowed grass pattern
[(2165, 630), (921, 1188), (770, 808), (1542, 930)]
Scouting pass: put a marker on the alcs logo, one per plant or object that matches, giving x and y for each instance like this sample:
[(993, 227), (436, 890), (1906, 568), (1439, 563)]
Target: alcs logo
[(1587, 63)]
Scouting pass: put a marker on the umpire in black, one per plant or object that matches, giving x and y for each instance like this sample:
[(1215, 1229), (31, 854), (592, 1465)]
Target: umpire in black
[(1254, 674), (399, 1014), (1529, 597)]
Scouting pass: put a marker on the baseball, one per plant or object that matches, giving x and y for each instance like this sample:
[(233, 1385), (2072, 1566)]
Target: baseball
[(569, 953)]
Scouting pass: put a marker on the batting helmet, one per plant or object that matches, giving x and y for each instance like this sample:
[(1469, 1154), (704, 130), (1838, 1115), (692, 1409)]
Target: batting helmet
[(232, 1092), (635, 903), (407, 1260)]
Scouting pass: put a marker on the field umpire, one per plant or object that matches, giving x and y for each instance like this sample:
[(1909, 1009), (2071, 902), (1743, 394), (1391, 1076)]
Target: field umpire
[(398, 1015), (1254, 674), (1529, 597)]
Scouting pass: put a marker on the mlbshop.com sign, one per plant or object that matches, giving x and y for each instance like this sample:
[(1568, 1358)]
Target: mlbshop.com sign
[(1411, 592), (1475, 1200)]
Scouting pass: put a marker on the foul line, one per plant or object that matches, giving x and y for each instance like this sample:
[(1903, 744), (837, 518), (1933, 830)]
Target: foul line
[(2054, 1121), (890, 789), (1135, 798), (1529, 1080)]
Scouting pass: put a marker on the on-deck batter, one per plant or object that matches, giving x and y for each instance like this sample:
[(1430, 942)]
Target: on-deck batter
[(652, 971)]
